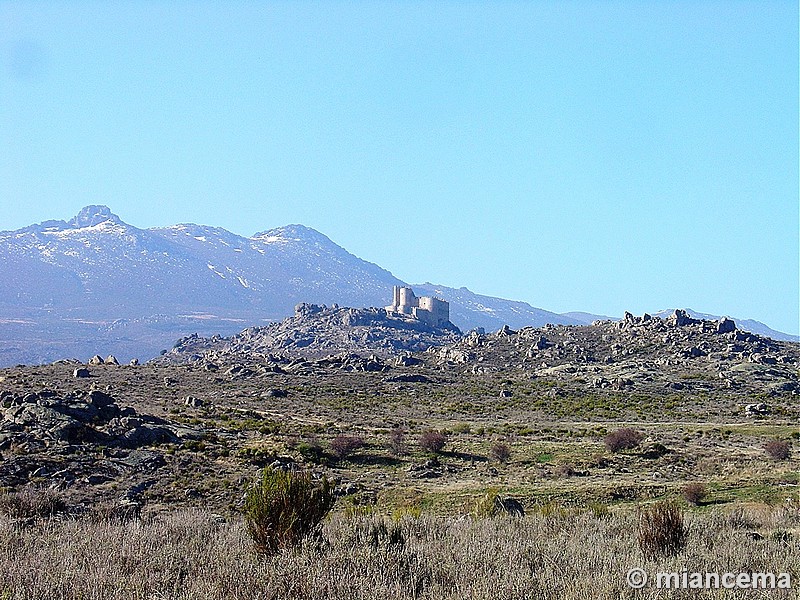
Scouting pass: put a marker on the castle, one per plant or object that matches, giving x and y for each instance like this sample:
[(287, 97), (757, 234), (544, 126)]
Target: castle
[(429, 310)]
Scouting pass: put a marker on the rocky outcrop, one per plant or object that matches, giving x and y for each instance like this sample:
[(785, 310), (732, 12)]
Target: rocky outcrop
[(46, 418), (317, 331), (644, 354)]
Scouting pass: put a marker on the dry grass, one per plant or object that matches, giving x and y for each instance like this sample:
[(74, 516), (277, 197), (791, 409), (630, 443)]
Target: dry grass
[(563, 554), (662, 531)]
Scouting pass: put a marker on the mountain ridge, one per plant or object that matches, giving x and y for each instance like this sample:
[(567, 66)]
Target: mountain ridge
[(94, 283)]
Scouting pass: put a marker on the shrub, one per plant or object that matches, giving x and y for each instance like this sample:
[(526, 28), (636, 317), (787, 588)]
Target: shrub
[(778, 449), (500, 452), (397, 441), (623, 439), (32, 503), (487, 505), (492, 504), (661, 530), (432, 441), (599, 511), (343, 446), (694, 493), (311, 450), (565, 470), (282, 508)]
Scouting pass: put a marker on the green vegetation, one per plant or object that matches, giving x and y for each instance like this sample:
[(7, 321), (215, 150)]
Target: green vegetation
[(283, 508)]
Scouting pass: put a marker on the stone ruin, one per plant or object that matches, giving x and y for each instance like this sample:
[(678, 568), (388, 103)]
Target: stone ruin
[(429, 310)]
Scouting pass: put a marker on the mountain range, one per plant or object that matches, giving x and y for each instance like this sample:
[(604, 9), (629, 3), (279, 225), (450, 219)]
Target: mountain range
[(95, 284)]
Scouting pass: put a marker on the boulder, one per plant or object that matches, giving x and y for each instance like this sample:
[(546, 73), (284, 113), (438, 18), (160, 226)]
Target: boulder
[(96, 360), (680, 318), (81, 373), (146, 435), (193, 401), (100, 399), (725, 325), (509, 506), (407, 361), (756, 410), (111, 360)]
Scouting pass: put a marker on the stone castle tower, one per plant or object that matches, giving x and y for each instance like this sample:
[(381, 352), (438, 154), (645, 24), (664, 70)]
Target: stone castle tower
[(429, 310)]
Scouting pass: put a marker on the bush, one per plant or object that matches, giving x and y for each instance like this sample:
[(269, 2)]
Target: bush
[(284, 507), (492, 505), (566, 470), (397, 441), (432, 441), (343, 446), (500, 452), (487, 505), (310, 449), (661, 530), (778, 449), (694, 493), (623, 439), (599, 511), (32, 503)]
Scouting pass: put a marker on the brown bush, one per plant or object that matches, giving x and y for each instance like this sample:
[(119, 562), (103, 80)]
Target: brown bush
[(343, 446), (500, 452), (397, 441), (432, 441), (623, 439), (778, 450), (661, 531), (566, 470), (694, 493)]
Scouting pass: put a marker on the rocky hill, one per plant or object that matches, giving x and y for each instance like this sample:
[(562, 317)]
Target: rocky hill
[(316, 331), (645, 355), (214, 410)]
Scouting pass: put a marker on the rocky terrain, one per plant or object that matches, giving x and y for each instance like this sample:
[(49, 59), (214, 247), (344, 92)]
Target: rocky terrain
[(194, 426), (643, 354), (316, 331)]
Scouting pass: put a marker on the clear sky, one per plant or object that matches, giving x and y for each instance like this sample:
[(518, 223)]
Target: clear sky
[(598, 156)]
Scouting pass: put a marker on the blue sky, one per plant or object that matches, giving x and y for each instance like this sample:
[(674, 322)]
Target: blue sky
[(598, 156)]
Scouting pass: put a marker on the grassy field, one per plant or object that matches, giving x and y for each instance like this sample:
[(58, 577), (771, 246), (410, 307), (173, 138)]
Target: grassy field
[(402, 524), (559, 553)]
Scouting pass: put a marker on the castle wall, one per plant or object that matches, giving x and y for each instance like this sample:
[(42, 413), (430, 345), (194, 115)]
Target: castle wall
[(432, 311)]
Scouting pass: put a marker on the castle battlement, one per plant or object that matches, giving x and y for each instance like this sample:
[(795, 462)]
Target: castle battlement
[(430, 310)]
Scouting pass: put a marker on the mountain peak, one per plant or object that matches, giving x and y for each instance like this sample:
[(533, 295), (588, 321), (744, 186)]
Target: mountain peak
[(92, 215), (293, 233)]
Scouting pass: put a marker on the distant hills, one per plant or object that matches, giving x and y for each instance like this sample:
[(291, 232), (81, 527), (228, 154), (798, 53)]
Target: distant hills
[(95, 284)]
